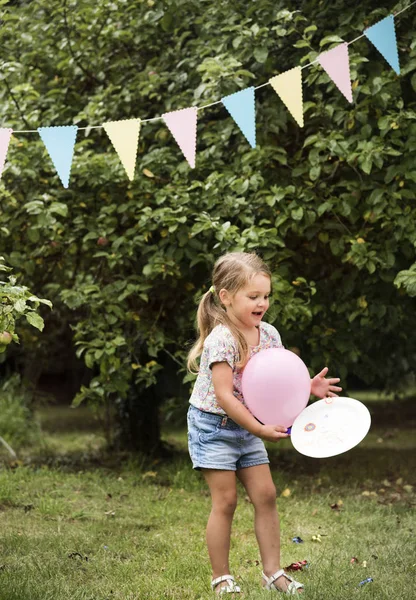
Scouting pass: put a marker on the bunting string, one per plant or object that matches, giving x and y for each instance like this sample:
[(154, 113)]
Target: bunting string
[(124, 134)]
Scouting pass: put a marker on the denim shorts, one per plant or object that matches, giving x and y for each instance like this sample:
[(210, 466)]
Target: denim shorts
[(217, 442)]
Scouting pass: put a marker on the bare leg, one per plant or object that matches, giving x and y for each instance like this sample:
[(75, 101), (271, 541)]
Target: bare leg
[(223, 488), (262, 493)]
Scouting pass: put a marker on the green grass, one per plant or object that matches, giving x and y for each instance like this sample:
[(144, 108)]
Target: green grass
[(78, 523)]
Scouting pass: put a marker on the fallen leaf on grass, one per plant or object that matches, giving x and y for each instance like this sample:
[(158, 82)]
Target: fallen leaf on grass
[(408, 488), (298, 566), (396, 496), (286, 493), (337, 505), (77, 555), (149, 474)]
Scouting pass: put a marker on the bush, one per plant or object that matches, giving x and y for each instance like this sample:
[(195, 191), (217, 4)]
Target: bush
[(18, 426)]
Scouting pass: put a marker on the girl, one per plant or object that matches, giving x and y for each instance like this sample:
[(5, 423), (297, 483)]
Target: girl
[(224, 437)]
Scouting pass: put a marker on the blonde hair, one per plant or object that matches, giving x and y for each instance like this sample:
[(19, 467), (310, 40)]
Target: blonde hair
[(231, 272)]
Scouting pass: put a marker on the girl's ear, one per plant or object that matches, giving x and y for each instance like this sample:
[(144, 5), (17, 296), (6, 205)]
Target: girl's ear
[(225, 297)]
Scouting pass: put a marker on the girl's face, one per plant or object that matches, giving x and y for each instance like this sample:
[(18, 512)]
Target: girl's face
[(247, 307)]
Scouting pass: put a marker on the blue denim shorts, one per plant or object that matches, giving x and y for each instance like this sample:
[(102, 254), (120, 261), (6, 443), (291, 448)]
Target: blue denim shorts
[(217, 442)]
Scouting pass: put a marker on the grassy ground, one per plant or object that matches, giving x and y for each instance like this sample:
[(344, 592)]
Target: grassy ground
[(78, 524)]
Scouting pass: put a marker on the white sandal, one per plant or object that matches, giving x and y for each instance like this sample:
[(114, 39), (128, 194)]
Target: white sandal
[(292, 588), (230, 588)]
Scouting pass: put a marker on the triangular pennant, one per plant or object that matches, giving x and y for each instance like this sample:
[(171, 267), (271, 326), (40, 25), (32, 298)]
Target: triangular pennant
[(288, 86), (5, 135), (336, 63), (182, 125), (241, 106), (124, 136), (59, 142), (383, 36)]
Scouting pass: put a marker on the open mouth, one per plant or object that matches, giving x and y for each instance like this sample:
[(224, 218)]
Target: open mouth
[(257, 314)]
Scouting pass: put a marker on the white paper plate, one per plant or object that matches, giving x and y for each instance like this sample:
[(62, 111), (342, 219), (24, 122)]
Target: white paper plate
[(330, 427)]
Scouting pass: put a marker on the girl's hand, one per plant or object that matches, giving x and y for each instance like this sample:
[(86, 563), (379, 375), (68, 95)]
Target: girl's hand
[(273, 433), (324, 388)]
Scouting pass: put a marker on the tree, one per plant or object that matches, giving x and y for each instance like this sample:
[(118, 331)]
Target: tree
[(329, 206)]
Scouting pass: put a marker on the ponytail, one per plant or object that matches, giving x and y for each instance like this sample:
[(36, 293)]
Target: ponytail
[(206, 319)]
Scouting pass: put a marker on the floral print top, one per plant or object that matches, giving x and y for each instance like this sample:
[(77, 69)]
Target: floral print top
[(221, 346)]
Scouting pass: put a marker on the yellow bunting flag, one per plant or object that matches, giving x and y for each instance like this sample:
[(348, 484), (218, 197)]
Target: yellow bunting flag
[(124, 136), (288, 86)]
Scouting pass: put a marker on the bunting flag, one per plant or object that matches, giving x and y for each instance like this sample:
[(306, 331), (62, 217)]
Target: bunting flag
[(383, 36), (241, 106), (5, 135), (124, 135), (60, 142), (288, 86), (337, 65), (182, 125)]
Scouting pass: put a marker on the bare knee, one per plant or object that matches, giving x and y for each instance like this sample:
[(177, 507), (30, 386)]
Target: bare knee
[(266, 497), (225, 503)]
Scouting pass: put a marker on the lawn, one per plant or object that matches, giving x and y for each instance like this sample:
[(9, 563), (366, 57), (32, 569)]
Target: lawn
[(80, 523)]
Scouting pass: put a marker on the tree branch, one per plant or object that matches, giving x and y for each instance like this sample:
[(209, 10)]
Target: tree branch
[(9, 89)]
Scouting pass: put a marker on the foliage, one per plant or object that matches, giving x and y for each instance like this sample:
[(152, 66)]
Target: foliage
[(329, 206), (17, 425), (16, 302), (407, 279)]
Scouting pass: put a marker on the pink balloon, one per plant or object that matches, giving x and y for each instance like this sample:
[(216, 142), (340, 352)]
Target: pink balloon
[(276, 386)]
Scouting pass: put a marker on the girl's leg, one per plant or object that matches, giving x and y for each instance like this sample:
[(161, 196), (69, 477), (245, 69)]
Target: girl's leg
[(223, 488), (260, 488)]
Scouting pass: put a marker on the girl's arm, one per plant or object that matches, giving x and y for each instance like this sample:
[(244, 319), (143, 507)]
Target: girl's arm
[(222, 378)]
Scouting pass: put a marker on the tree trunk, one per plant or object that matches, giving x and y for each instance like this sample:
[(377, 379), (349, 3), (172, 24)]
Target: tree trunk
[(138, 427)]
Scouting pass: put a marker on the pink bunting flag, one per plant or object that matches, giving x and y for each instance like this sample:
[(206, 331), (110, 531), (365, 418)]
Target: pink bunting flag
[(337, 65), (182, 125), (5, 135)]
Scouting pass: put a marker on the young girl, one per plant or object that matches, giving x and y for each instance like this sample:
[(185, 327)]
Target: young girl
[(224, 437)]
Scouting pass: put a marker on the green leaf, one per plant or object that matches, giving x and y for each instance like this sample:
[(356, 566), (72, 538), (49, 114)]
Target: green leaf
[(20, 305), (35, 320), (297, 213), (330, 39), (366, 164), (33, 234), (261, 54), (301, 44), (41, 300), (60, 208), (315, 172)]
